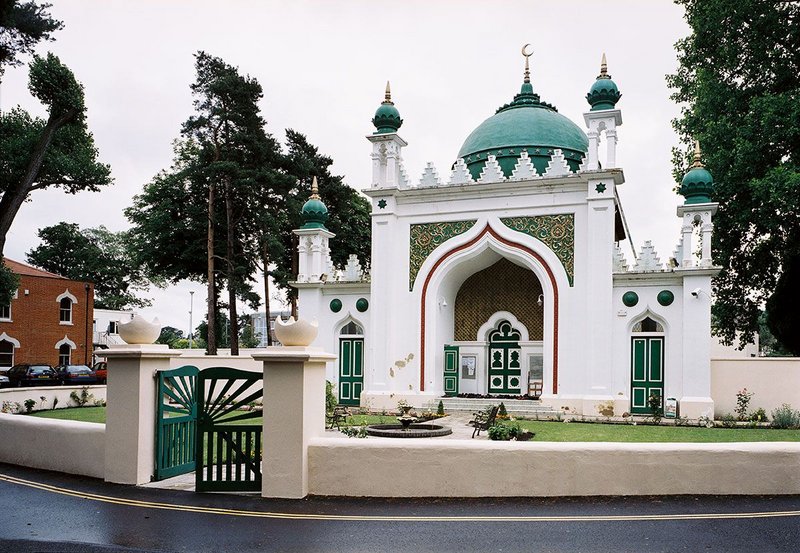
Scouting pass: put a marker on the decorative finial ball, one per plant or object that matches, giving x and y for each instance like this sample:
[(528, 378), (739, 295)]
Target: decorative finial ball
[(387, 118)]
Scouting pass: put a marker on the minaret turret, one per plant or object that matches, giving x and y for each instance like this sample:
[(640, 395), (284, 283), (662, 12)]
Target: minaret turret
[(387, 161), (602, 117)]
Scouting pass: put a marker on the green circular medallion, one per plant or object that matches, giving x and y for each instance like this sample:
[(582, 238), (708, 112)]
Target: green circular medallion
[(665, 297), (336, 305), (362, 304), (630, 298)]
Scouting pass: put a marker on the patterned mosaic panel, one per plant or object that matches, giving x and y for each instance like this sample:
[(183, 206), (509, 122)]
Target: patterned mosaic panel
[(556, 231), (504, 286), (426, 237)]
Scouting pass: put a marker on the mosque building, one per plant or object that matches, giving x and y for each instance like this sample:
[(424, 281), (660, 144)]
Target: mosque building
[(507, 277)]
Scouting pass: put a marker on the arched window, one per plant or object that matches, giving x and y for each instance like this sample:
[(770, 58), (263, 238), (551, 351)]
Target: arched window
[(64, 354), (65, 310), (352, 329), (647, 325), (6, 353)]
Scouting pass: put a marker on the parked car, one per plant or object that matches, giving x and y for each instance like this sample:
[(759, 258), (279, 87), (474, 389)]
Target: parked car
[(4, 381), (32, 374), (72, 375), (101, 370)]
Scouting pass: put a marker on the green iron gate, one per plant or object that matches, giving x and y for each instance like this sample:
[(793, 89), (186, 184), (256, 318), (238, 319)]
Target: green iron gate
[(504, 363), (228, 454), (176, 422)]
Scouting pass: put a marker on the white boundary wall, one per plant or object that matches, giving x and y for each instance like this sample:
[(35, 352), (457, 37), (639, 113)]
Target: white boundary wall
[(72, 447), (772, 380), (19, 395), (382, 467)]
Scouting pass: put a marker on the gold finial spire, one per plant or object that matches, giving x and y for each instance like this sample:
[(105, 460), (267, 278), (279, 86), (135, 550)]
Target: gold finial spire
[(527, 65), (603, 65), (697, 161), (314, 190), (387, 99)]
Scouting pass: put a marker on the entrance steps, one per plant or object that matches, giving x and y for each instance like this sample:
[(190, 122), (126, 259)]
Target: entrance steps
[(522, 408)]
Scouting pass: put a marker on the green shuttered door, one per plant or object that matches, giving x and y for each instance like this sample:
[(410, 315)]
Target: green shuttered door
[(451, 370), (647, 372), (351, 370)]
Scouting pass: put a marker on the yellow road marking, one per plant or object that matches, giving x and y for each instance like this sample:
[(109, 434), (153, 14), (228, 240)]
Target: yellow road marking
[(311, 516)]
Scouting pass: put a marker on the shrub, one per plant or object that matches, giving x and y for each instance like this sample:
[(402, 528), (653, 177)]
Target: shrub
[(785, 417), (743, 398), (499, 432), (759, 415), (83, 398), (440, 409), (330, 398), (656, 409), (355, 432), (502, 413), (29, 405), (728, 420)]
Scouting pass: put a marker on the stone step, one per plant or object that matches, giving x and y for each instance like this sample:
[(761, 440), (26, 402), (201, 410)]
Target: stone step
[(514, 407)]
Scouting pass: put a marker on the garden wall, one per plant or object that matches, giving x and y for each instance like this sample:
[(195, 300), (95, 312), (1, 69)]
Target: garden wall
[(772, 380), (65, 446), (382, 467), (19, 395)]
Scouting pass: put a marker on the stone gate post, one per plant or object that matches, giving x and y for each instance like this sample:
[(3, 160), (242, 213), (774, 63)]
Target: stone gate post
[(131, 411), (294, 412)]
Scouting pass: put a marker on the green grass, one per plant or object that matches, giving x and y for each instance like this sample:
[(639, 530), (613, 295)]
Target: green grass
[(86, 414), (596, 432)]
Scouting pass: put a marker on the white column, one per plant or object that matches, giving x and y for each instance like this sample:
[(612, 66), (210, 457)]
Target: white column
[(594, 144), (611, 147), (696, 400), (686, 231), (707, 229), (131, 413), (294, 413)]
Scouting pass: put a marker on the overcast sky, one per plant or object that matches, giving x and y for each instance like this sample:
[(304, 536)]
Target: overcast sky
[(323, 66)]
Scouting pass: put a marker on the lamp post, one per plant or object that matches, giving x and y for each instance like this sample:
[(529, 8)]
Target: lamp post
[(191, 308)]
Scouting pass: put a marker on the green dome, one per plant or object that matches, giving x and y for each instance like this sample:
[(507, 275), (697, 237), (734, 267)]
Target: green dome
[(697, 185), (314, 211), (525, 124), (387, 118), (604, 93)]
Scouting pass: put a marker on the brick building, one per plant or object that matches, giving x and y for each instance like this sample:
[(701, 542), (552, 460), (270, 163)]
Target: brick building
[(49, 319)]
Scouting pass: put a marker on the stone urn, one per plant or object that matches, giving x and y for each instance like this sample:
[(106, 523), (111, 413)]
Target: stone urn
[(296, 333), (139, 331)]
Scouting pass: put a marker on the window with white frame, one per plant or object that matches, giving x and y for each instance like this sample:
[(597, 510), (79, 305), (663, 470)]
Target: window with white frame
[(6, 353), (5, 312), (65, 310), (113, 327), (64, 354)]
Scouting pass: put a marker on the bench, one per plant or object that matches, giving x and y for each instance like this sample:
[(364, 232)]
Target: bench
[(336, 417), (482, 420)]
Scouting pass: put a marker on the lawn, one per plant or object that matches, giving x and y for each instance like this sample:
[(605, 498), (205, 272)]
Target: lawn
[(86, 414), (596, 432)]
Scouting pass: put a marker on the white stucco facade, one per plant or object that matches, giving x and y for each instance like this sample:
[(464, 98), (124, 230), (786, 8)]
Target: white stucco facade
[(508, 277)]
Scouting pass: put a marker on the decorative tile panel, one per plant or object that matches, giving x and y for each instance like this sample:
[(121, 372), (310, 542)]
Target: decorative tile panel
[(557, 232), (426, 237)]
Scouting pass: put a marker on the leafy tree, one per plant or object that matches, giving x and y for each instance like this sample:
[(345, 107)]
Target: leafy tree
[(247, 335), (22, 26), (739, 87), (97, 255), (38, 154), (170, 336)]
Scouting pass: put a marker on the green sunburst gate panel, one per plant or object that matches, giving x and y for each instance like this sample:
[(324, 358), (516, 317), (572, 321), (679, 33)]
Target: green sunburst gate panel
[(557, 232)]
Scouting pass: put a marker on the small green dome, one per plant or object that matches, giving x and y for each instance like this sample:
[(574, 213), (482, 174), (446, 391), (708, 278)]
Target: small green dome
[(604, 93), (529, 124), (314, 211), (387, 118), (698, 183)]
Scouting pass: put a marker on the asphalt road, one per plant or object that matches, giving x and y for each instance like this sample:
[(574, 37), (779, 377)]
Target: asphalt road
[(50, 512)]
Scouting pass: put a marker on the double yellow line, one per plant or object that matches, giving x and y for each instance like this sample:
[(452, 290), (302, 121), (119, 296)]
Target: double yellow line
[(321, 516)]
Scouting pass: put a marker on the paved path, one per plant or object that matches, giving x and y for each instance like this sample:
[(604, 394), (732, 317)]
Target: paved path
[(49, 512)]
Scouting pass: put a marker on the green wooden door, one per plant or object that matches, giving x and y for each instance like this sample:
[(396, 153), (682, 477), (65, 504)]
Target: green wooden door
[(451, 370), (228, 447), (351, 370), (647, 372), (504, 360), (176, 422)]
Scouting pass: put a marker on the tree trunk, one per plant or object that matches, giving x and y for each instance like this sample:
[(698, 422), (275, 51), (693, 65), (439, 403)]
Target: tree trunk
[(211, 342), (233, 337), (265, 259), (15, 195)]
